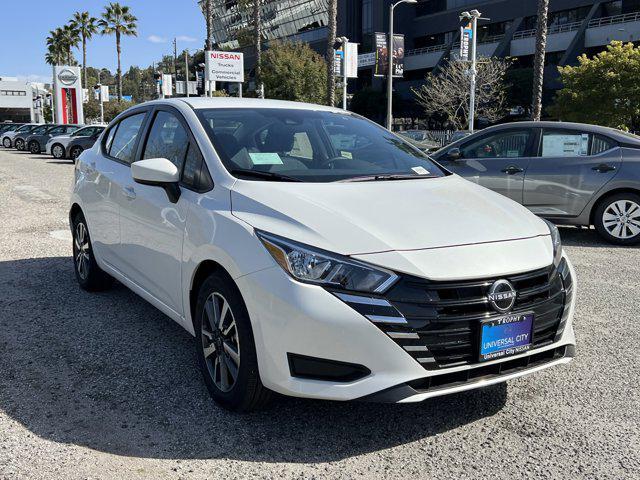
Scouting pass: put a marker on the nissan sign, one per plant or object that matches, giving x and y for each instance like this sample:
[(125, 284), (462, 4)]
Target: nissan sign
[(67, 77), (224, 66)]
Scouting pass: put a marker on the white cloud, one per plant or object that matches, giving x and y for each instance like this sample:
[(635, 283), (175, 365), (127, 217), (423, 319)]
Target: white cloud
[(186, 38), (156, 39)]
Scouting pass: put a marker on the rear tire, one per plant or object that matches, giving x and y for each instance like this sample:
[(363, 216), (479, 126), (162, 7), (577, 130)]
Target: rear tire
[(34, 147), (19, 145), (6, 142), (74, 153), (226, 348), (617, 219), (89, 275), (57, 151)]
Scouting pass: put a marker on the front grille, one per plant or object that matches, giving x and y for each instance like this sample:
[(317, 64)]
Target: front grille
[(442, 319)]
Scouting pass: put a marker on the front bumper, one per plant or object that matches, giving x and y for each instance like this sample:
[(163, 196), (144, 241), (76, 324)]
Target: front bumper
[(291, 318)]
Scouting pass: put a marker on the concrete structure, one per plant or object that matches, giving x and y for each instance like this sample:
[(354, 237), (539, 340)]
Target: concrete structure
[(16, 100)]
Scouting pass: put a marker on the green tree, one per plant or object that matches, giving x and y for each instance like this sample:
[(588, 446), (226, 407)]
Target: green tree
[(86, 25), (111, 110), (118, 20), (60, 43), (293, 71), (602, 90)]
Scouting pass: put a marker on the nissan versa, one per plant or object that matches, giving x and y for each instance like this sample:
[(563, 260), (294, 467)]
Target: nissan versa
[(315, 254)]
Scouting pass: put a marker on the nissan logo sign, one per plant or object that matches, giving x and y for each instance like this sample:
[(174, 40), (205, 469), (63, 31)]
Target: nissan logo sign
[(67, 77), (502, 296)]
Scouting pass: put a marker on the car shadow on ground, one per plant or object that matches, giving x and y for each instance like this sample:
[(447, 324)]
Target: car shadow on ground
[(585, 237), (109, 372)]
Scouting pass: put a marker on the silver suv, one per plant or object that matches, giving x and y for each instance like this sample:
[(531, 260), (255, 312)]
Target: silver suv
[(569, 173)]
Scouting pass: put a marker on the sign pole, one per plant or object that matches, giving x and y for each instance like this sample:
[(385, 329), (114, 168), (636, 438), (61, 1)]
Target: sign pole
[(390, 71), (345, 41), (186, 72), (240, 90), (472, 95)]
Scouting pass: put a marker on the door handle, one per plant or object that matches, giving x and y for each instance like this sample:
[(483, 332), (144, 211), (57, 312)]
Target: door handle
[(512, 170), (129, 193), (604, 168)]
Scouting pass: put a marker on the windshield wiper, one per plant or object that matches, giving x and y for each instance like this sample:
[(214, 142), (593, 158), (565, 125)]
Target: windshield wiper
[(377, 178), (273, 176)]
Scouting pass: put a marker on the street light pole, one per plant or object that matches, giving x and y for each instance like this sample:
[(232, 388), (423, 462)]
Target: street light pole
[(473, 16), (390, 63)]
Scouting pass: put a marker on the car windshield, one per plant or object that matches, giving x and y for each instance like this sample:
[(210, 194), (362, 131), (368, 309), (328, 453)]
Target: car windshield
[(311, 146)]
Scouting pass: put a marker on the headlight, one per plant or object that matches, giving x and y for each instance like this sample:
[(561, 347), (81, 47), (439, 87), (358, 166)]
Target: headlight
[(557, 242), (311, 265)]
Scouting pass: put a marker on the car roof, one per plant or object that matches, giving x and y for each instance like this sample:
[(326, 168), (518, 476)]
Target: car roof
[(611, 132), (199, 103)]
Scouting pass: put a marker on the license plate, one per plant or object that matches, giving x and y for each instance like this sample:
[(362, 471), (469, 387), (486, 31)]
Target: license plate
[(505, 336)]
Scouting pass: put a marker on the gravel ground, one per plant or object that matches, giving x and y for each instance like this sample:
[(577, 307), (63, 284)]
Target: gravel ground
[(105, 386)]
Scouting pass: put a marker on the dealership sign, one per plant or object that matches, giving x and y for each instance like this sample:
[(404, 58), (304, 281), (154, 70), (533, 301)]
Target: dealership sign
[(466, 35), (224, 66)]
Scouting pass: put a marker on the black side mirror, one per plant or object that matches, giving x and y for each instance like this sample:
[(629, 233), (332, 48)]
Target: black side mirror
[(454, 154)]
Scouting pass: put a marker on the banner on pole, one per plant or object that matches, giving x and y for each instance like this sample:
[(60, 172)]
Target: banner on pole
[(381, 68), (466, 34)]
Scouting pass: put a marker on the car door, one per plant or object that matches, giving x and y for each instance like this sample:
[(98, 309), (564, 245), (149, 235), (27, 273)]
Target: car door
[(108, 172), (571, 166), (496, 160), (151, 226)]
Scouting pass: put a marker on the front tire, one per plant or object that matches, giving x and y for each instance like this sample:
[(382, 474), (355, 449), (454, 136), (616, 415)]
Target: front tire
[(89, 275), (34, 147), (617, 219), (226, 348), (57, 151)]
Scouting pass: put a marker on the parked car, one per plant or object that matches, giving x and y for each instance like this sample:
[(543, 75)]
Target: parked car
[(57, 146), (8, 136), (38, 138), (569, 173), (8, 127), (312, 253), (79, 144), (421, 140)]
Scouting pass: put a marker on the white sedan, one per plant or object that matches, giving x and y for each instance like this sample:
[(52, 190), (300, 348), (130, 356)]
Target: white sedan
[(315, 254)]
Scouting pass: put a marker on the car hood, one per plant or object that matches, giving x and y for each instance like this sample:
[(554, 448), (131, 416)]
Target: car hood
[(370, 217)]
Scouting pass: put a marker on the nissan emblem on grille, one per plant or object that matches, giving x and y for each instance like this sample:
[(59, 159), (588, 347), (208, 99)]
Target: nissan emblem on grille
[(502, 296)]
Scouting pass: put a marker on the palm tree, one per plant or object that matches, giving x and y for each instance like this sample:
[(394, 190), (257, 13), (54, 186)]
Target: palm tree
[(257, 32), (70, 40), (118, 19), (55, 50), (331, 56), (538, 66), (208, 13), (87, 26)]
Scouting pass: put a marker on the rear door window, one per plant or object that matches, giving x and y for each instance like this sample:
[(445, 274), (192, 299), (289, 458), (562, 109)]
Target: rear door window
[(573, 143)]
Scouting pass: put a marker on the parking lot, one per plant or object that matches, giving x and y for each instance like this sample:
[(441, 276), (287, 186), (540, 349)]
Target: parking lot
[(105, 386)]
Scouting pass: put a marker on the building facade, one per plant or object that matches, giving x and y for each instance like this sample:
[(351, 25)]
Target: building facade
[(16, 100), (431, 29)]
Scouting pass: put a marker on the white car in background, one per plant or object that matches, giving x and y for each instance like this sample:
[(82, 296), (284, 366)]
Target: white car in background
[(57, 146), (315, 254)]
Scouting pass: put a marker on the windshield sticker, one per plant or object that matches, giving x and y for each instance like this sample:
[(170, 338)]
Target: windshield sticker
[(265, 158), (421, 170), (348, 155)]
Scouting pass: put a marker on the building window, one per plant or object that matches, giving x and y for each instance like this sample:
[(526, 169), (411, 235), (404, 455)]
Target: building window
[(367, 17), (13, 93)]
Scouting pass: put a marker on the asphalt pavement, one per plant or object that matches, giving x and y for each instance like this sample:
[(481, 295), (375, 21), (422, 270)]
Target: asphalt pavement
[(97, 386)]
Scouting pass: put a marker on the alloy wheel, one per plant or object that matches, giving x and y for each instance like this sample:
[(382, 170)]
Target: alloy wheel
[(57, 151), (19, 145), (622, 219), (81, 244), (7, 143), (35, 148), (220, 342)]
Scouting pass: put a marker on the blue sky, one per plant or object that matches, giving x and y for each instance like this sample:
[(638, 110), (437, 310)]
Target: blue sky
[(23, 42)]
